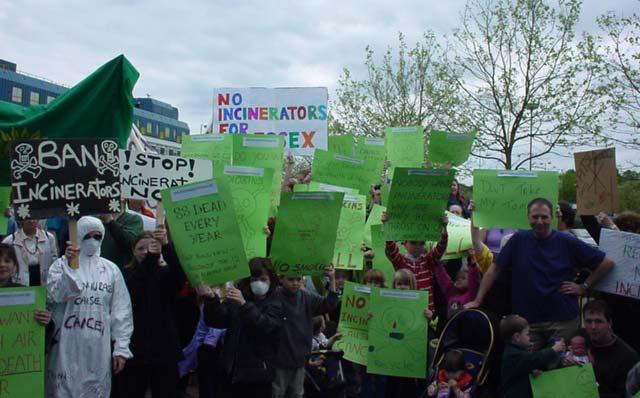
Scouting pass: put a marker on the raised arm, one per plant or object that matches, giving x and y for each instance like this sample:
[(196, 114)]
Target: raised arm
[(63, 283), (487, 281)]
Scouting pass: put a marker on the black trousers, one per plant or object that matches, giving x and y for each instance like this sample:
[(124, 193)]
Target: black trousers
[(137, 377)]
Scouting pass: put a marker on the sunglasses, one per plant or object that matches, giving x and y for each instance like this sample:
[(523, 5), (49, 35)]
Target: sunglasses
[(92, 236)]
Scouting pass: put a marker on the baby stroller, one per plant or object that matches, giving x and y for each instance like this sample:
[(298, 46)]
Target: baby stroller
[(327, 379), (472, 332)]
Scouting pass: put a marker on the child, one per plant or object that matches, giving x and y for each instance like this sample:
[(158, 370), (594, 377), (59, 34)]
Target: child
[(417, 260), (320, 341), (463, 290), (578, 350), (518, 361), (374, 277), (403, 279), (452, 379), (298, 308)]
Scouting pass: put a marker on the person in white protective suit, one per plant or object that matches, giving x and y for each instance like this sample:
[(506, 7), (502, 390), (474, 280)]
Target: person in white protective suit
[(91, 309)]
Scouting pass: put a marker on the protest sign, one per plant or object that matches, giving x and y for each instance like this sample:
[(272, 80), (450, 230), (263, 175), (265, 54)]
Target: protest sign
[(596, 181), (250, 187), (380, 260), (143, 175), (397, 333), (205, 232), (216, 147), (342, 145), (373, 151), (405, 146), (5, 194), (417, 200), (446, 147), (624, 250), (354, 317), (343, 171), (459, 242), (65, 177), (350, 236), (569, 382), (261, 151), (375, 218), (305, 235), (315, 186), (501, 196), (22, 361), (297, 114)]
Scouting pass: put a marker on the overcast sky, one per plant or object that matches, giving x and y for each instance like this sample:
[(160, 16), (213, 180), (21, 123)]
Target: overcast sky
[(183, 49)]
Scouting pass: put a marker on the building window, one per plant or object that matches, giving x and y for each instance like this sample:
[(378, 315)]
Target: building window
[(34, 98), (149, 129), (16, 95), (167, 134), (50, 98)]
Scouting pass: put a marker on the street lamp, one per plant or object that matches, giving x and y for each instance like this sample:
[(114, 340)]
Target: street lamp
[(531, 106)]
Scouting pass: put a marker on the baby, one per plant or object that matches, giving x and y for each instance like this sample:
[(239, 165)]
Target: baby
[(452, 379), (578, 350)]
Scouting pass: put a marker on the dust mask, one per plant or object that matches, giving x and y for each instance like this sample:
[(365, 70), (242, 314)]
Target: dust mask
[(259, 288)]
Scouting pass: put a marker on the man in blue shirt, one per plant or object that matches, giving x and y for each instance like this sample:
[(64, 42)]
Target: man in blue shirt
[(542, 263)]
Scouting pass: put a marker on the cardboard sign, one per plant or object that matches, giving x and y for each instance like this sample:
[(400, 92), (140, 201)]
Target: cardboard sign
[(297, 114), (569, 382), (459, 242), (354, 318), (65, 177), (596, 181), (342, 145), (215, 147), (22, 361), (350, 235), (405, 146), (448, 147), (305, 236), (501, 196), (343, 171), (398, 333), (144, 175), (204, 229), (624, 249)]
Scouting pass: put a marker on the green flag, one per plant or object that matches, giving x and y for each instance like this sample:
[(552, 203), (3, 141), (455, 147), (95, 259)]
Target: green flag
[(449, 147), (22, 360), (569, 382), (305, 234), (216, 147), (342, 145), (397, 333), (405, 147), (250, 187), (100, 106), (204, 229), (417, 200), (501, 196), (354, 317), (348, 250)]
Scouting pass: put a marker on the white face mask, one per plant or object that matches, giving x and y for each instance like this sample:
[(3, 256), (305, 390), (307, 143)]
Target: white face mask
[(90, 247), (259, 288)]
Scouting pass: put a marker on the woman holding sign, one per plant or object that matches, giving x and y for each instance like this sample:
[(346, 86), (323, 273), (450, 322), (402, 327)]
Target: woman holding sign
[(91, 309)]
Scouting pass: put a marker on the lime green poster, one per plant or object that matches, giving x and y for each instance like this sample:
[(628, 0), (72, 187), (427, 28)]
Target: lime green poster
[(314, 186), (447, 147), (5, 193), (340, 170), (375, 218), (569, 382), (305, 234), (501, 196), (373, 151), (350, 237), (205, 232), (22, 361), (398, 333), (265, 151), (354, 317), (380, 260), (405, 147), (216, 147), (459, 242), (417, 200), (250, 188), (342, 145)]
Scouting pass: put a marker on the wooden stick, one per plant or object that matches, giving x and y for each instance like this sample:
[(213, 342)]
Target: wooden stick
[(73, 237), (159, 214)]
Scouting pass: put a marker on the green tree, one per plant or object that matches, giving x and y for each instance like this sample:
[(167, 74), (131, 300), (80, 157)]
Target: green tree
[(568, 186), (629, 195), (521, 64)]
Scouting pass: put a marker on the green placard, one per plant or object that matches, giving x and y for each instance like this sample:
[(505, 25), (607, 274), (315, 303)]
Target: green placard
[(373, 151), (205, 231), (5, 194), (380, 260), (342, 145), (570, 382), (22, 361), (250, 188), (216, 147), (354, 317), (305, 234), (405, 147), (265, 151), (448, 147), (501, 196), (350, 237), (417, 200), (340, 170), (398, 333), (459, 242), (374, 219)]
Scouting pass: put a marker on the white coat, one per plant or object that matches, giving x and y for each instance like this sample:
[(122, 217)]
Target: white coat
[(91, 309), (47, 249)]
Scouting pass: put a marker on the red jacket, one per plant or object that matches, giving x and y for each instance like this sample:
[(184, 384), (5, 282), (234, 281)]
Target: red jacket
[(422, 266)]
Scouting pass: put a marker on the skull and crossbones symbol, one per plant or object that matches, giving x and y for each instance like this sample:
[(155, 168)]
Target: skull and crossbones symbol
[(25, 162), (109, 161)]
